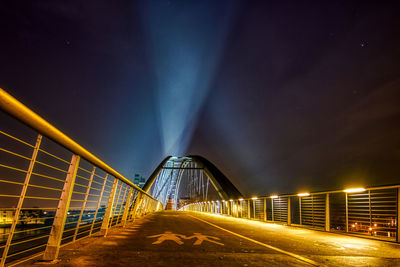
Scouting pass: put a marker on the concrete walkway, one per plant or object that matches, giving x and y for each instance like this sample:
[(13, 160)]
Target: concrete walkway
[(191, 239)]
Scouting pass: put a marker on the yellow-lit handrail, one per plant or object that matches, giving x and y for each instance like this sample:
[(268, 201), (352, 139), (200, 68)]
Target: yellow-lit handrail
[(18, 110)]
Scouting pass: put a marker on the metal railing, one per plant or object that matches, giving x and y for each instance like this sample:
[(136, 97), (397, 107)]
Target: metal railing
[(53, 191), (372, 212)]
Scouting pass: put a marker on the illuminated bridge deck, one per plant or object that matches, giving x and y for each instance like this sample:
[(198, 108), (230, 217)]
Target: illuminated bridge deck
[(229, 242)]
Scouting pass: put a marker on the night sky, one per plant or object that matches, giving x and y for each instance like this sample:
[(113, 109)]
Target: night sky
[(281, 96)]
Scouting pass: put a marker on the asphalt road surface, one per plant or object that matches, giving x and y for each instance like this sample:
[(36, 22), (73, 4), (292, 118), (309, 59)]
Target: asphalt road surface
[(191, 239)]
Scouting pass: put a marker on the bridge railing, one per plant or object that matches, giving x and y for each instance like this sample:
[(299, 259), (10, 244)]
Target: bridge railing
[(53, 191), (371, 212)]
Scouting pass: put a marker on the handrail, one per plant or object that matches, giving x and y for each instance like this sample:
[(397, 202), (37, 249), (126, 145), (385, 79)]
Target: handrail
[(18, 110)]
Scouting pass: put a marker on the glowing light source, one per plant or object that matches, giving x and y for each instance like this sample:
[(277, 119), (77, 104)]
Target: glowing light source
[(254, 198), (274, 196), (231, 200), (354, 190), (240, 199), (303, 194)]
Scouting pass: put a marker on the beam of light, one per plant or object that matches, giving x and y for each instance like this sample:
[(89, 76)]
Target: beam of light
[(354, 190), (185, 43)]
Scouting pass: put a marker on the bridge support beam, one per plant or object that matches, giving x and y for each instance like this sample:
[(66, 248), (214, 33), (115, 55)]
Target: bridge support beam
[(54, 241)]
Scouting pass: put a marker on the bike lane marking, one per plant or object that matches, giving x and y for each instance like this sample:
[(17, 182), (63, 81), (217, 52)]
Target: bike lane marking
[(309, 261)]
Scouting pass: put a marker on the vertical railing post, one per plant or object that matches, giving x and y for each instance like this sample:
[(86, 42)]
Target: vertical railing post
[(127, 207), (84, 203), (21, 199), (116, 205), (347, 213), (398, 215), (300, 211), (254, 209), (54, 241), (289, 211), (327, 213), (272, 209), (107, 214), (98, 204), (248, 209), (146, 207), (136, 204), (120, 206), (265, 209)]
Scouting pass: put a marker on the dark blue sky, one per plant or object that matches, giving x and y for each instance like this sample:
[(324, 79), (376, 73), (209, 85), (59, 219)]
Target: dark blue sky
[(281, 96)]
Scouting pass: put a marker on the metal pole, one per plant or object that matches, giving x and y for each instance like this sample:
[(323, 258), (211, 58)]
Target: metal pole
[(107, 215), (254, 208), (327, 214), (120, 206), (265, 209), (398, 215), (347, 214), (54, 241), (84, 203), (289, 212), (138, 200), (21, 199), (272, 205), (127, 207), (98, 204), (301, 222), (248, 209)]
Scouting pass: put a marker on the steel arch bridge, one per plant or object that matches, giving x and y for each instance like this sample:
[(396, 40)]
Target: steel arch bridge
[(192, 178)]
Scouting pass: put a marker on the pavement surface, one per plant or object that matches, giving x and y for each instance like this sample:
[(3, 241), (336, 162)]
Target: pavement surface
[(171, 238)]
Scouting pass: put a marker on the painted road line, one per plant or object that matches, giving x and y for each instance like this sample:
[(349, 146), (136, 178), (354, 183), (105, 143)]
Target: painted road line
[(309, 261)]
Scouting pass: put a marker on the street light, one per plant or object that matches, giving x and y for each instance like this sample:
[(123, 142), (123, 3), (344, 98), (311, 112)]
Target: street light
[(354, 190), (303, 194)]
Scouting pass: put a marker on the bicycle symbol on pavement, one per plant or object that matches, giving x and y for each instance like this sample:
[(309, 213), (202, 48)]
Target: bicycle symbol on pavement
[(177, 238)]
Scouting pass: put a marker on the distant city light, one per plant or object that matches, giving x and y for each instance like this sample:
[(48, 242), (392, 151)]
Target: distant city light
[(254, 198), (354, 190), (231, 200), (274, 196), (303, 194), (241, 199)]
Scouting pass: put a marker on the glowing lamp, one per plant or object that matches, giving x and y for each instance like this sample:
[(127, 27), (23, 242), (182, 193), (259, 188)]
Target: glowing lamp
[(231, 200), (274, 196), (254, 198), (303, 194), (354, 190), (240, 199)]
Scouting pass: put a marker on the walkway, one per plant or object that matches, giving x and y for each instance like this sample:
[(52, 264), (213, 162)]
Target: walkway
[(191, 239)]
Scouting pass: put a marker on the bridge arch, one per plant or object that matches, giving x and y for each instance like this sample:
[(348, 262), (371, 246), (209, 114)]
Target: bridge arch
[(168, 183)]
